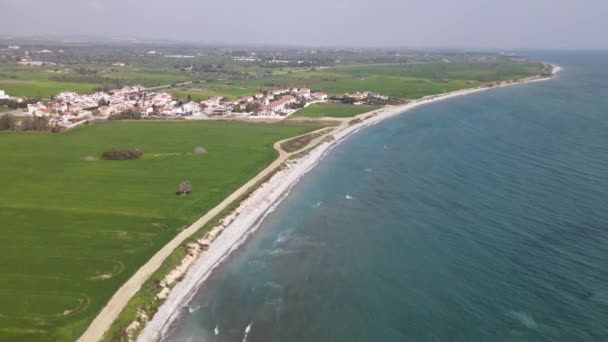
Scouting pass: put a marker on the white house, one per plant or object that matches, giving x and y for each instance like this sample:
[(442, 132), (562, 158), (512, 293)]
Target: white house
[(3, 95), (280, 91), (192, 108), (278, 107), (213, 101), (304, 93), (37, 109), (245, 99), (319, 96)]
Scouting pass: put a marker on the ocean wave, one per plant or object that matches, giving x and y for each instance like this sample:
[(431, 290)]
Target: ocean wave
[(193, 308), (524, 318), (247, 330)]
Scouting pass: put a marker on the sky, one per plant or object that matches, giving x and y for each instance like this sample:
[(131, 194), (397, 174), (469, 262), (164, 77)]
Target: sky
[(557, 24)]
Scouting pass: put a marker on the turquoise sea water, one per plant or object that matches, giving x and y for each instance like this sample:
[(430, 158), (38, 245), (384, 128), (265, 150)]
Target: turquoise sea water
[(479, 218)]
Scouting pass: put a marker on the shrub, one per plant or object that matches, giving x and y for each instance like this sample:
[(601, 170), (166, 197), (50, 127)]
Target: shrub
[(129, 114), (122, 154), (184, 188), (7, 121)]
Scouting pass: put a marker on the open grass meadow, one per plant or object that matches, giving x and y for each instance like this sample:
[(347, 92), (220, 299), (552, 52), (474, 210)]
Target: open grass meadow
[(403, 81), (43, 88), (44, 82), (335, 110), (74, 228)]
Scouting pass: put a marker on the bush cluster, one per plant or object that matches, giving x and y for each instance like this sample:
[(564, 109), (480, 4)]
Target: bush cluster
[(122, 154)]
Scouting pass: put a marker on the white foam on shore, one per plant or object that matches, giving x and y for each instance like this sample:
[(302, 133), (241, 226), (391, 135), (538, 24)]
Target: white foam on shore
[(262, 202)]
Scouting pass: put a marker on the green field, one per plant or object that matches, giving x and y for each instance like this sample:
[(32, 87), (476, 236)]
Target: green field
[(44, 82), (227, 91), (43, 88), (403, 81), (334, 110), (74, 229)]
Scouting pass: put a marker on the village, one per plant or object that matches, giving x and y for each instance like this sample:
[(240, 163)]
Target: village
[(69, 109)]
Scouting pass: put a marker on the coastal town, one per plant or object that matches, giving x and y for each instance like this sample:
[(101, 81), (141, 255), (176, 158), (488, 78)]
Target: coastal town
[(70, 109)]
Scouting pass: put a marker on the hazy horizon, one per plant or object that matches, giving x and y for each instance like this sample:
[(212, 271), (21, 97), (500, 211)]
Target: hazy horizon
[(479, 24)]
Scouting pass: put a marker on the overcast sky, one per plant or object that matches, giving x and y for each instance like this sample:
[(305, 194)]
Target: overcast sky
[(413, 23)]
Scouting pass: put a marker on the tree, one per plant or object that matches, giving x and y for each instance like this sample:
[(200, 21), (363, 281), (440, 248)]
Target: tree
[(7, 122), (41, 124), (252, 107), (189, 97), (184, 188), (27, 124), (129, 114)]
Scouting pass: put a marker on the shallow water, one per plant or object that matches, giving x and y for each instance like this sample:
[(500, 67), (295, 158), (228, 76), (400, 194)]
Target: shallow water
[(479, 218)]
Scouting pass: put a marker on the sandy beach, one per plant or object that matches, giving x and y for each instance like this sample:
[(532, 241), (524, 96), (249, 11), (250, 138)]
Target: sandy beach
[(263, 201)]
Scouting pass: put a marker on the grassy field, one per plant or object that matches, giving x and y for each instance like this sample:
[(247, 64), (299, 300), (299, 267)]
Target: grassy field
[(404, 81), (74, 228), (335, 110), (43, 88), (227, 91), (43, 82)]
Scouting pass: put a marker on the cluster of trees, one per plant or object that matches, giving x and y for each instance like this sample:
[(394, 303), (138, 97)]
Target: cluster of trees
[(129, 114), (253, 107), (12, 104), (103, 102), (9, 122), (298, 105), (122, 154)]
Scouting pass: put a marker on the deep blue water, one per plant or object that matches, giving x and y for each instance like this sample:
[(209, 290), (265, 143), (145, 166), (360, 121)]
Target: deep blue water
[(480, 218)]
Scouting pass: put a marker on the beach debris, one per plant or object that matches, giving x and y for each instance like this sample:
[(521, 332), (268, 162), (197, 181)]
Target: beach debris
[(89, 158)]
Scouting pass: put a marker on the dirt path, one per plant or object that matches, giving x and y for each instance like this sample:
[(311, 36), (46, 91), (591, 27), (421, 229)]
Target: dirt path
[(119, 300)]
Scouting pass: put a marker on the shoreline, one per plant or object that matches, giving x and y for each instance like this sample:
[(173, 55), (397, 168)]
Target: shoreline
[(252, 211)]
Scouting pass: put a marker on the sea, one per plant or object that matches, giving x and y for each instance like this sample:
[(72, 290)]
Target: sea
[(478, 218)]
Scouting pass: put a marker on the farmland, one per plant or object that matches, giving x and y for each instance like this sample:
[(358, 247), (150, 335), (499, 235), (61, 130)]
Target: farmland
[(215, 72), (401, 81), (336, 110), (75, 227)]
